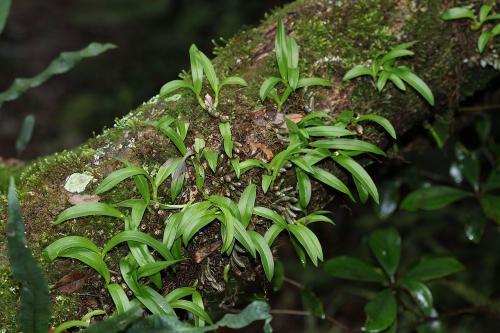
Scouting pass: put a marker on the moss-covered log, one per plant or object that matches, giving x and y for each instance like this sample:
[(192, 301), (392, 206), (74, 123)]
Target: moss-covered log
[(333, 37)]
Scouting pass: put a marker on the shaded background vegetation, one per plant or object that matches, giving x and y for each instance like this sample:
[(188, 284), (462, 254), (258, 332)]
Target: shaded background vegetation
[(153, 38)]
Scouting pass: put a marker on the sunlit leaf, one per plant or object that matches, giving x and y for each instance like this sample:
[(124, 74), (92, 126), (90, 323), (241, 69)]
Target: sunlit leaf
[(119, 297), (174, 85)]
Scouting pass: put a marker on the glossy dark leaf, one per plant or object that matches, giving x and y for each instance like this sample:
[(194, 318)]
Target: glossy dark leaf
[(351, 268), (386, 246), (311, 303), (380, 312), (491, 207), (432, 197), (434, 268), (421, 295)]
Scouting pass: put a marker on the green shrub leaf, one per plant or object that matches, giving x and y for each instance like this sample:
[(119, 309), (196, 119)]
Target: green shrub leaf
[(386, 246), (434, 268), (432, 197), (350, 268), (380, 312), (311, 303), (257, 310), (421, 295), (491, 207)]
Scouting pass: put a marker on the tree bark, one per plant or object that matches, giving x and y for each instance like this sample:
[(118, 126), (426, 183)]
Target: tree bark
[(333, 37)]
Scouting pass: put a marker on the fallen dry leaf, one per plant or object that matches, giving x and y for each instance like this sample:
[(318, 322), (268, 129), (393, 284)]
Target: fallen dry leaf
[(71, 283), (254, 146)]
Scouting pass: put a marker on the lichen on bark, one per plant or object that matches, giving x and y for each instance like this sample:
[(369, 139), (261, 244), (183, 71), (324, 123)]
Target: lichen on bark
[(333, 36)]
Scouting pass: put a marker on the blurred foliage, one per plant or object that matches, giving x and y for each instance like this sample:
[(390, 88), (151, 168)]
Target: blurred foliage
[(152, 38)]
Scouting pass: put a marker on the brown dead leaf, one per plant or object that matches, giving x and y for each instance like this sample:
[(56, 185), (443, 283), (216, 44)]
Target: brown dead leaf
[(257, 146), (204, 252), (83, 198), (71, 283)]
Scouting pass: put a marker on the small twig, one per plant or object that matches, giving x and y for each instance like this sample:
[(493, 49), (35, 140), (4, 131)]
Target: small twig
[(330, 319), (294, 283), (480, 108)]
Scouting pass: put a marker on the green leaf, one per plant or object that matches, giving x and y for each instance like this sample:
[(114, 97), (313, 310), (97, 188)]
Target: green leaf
[(351, 268), (357, 71), (359, 173), (4, 13), (397, 82), (382, 80), (303, 187), (308, 240), (153, 301), (300, 252), (386, 124), (117, 177), (155, 267), (174, 85), (70, 324), (483, 40), (266, 182), (119, 297), (280, 47), (328, 131), (225, 131), (175, 138), (196, 225), (191, 307), (317, 216), (265, 254), (420, 293), (62, 244), (491, 207), (362, 192), (136, 236), (209, 70), (273, 232), (257, 310), (311, 303), (196, 69), (34, 310), (89, 209), (244, 238), (432, 197), (267, 86), (313, 81), (228, 222), (270, 215), (117, 323), (236, 80), (293, 62), (458, 13), (177, 181), (63, 63), (331, 180), (89, 258), (167, 169), (251, 163), (141, 183), (386, 246), (395, 53), (380, 312), (434, 268), (417, 83), (25, 133), (199, 144), (211, 157), (247, 203), (348, 144)]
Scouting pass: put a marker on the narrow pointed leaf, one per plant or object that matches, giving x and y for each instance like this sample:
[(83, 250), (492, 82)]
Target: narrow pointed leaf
[(89, 209), (386, 124), (174, 85), (267, 86), (225, 131), (247, 203), (357, 71), (117, 177), (140, 237), (313, 81), (265, 254)]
